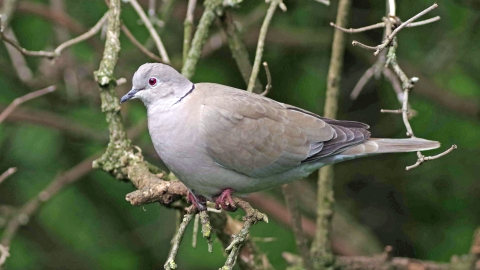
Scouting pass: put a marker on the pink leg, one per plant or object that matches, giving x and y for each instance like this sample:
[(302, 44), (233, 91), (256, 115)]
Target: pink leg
[(198, 201), (225, 201)]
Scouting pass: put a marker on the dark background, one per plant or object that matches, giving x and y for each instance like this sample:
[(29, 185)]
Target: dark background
[(427, 213)]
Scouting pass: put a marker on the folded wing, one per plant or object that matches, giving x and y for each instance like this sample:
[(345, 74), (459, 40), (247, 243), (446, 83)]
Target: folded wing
[(260, 137)]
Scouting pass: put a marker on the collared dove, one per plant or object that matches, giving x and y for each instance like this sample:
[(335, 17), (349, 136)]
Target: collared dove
[(218, 140)]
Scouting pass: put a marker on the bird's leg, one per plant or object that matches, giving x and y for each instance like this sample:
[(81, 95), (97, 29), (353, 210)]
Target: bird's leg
[(225, 201), (198, 201)]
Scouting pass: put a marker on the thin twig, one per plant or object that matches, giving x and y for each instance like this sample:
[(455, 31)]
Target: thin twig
[(151, 30), (407, 85), (325, 2), (139, 45), (399, 111), (382, 25), (18, 101), (56, 53), (29, 208), (358, 30), (390, 37), (261, 43), (238, 49), (391, 8), (196, 223), (427, 21), (422, 158), (4, 254), (177, 239), (397, 87), (269, 80), (7, 173), (362, 82), (187, 26)]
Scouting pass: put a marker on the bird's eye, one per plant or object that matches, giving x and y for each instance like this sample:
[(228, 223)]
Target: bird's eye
[(152, 81)]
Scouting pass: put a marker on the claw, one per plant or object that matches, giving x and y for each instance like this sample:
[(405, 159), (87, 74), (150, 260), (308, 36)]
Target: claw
[(225, 201), (199, 201)]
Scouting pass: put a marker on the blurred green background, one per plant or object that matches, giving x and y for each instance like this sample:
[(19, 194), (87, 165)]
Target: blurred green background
[(427, 213)]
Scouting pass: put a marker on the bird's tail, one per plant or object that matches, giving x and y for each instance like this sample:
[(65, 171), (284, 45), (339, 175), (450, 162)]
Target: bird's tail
[(378, 146)]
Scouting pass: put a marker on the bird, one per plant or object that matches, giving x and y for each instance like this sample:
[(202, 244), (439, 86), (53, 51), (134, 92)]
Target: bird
[(219, 140)]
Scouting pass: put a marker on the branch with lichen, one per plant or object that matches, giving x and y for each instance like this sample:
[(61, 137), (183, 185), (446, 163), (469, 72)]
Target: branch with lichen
[(210, 13), (321, 249), (238, 49), (392, 26)]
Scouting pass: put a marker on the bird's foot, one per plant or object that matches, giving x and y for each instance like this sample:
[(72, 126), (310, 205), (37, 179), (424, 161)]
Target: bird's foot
[(225, 201), (198, 201)]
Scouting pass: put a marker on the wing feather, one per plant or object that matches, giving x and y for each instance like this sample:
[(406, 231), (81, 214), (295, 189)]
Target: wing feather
[(260, 137)]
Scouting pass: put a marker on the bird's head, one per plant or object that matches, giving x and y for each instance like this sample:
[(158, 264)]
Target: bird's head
[(156, 83)]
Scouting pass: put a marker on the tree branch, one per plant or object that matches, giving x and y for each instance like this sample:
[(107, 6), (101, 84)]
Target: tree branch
[(238, 49), (321, 249), (18, 101), (56, 53), (7, 174), (200, 37), (151, 30), (187, 26), (139, 45), (261, 43), (390, 37), (22, 215)]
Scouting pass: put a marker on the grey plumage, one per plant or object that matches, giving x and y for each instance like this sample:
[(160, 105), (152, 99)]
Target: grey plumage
[(215, 137)]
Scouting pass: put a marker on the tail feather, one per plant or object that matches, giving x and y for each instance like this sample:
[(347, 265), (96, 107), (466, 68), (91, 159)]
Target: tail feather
[(377, 146)]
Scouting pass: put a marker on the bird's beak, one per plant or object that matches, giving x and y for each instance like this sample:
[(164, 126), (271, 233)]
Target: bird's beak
[(129, 95)]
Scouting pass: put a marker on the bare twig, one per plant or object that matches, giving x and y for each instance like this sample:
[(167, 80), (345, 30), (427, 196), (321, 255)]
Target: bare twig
[(188, 25), (252, 216), (28, 209), (238, 49), (56, 53), (362, 82), (269, 80), (427, 21), (390, 37), (422, 158), (321, 249), (6, 174), (382, 25), (18, 101), (139, 45), (177, 239), (397, 87), (151, 30), (325, 2), (399, 111), (196, 223), (200, 37), (296, 217), (358, 30), (4, 254), (261, 43)]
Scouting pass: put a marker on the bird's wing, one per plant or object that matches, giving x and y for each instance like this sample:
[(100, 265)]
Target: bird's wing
[(259, 137)]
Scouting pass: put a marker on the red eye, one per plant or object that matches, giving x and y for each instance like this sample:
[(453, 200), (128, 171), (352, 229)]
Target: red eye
[(152, 81)]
